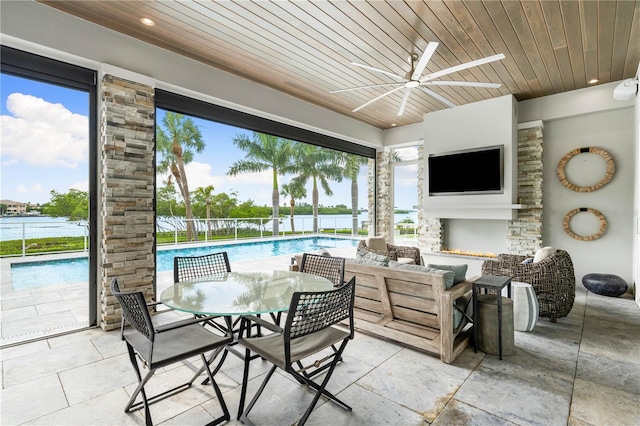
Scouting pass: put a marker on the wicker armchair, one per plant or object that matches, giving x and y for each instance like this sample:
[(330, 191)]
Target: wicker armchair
[(552, 279), (397, 253)]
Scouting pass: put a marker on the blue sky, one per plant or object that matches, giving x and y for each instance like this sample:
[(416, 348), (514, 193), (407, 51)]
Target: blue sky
[(43, 135)]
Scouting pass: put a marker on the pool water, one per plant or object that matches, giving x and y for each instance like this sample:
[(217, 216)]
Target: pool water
[(38, 274)]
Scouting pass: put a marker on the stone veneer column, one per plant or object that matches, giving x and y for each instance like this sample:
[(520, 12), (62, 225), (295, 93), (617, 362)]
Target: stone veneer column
[(430, 229), (524, 234), (384, 209), (127, 192), (371, 193)]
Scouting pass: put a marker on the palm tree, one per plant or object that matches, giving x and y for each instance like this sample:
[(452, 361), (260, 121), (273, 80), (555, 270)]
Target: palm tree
[(265, 152), (352, 165), (176, 144), (318, 164), (204, 194), (295, 191)]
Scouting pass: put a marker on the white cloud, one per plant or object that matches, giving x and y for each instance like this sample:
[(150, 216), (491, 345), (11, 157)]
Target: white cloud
[(255, 186), (406, 175), (81, 185), (42, 134), (36, 187)]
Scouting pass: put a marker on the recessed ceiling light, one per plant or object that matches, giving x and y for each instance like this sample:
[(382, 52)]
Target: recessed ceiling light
[(593, 81), (393, 124), (148, 22)]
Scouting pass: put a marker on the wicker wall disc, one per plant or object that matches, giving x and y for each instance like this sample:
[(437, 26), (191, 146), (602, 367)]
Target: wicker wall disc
[(611, 168), (567, 220)]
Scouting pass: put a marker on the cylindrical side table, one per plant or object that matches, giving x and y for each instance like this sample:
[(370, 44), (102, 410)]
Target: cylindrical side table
[(487, 322)]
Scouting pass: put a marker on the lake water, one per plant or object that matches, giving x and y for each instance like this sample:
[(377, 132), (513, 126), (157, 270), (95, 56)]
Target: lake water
[(16, 228)]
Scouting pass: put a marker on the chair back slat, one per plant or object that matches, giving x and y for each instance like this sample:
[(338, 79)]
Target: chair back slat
[(313, 311), (134, 310), (331, 268), (192, 267)]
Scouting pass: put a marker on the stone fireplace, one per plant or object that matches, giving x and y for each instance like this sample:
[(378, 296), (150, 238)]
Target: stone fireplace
[(522, 235)]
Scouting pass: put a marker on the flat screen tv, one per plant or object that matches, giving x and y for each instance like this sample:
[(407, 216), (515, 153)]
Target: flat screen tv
[(470, 171)]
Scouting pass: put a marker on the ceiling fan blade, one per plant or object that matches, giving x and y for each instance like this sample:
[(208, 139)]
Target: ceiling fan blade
[(365, 87), (463, 83), (462, 67), (442, 99), (396, 76), (378, 97), (424, 60), (404, 102)]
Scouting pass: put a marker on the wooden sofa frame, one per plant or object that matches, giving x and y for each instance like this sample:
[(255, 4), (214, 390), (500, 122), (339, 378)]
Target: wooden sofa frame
[(409, 307)]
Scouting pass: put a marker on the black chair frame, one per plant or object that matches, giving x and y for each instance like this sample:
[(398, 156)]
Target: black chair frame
[(312, 316), (142, 343)]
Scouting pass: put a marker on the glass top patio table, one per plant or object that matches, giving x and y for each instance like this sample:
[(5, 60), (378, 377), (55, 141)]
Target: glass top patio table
[(241, 293)]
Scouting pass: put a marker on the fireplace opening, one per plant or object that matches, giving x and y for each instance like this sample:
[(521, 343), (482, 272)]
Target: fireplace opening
[(475, 237)]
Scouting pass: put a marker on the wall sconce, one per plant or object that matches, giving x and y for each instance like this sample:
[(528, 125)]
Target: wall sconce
[(626, 90)]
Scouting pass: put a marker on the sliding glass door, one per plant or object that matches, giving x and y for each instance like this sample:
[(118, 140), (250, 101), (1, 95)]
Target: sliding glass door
[(47, 243)]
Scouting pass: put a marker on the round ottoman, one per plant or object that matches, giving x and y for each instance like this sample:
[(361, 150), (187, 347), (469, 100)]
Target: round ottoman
[(525, 306), (487, 323)]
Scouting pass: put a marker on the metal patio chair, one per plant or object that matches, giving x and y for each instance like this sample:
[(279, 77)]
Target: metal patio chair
[(187, 268), (331, 268), (309, 329), (160, 346), (193, 267)]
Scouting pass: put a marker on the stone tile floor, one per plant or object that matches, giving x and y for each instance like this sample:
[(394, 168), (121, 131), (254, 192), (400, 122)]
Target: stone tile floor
[(583, 370)]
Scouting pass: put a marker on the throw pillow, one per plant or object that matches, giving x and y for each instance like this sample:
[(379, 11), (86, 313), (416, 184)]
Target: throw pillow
[(376, 243), (448, 275), (361, 261), (324, 252), (543, 253), (460, 271), (368, 255)]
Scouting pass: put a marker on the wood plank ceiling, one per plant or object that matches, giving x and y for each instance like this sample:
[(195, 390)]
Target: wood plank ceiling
[(305, 48)]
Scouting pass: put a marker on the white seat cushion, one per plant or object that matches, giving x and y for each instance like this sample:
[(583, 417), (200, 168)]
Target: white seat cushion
[(406, 260)]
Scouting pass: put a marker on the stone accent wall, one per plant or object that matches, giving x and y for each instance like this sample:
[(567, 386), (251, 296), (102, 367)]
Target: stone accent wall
[(384, 209), (127, 173), (524, 234)]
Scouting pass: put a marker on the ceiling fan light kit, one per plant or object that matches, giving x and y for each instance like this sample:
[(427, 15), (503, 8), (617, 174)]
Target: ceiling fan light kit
[(413, 78)]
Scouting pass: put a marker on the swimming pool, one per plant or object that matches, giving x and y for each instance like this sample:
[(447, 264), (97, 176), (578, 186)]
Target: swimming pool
[(38, 274)]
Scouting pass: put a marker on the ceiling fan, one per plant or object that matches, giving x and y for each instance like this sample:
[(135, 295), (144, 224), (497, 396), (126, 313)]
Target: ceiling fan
[(413, 78)]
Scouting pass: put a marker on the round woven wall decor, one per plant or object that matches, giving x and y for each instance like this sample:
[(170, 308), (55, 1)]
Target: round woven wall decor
[(611, 168), (567, 221)]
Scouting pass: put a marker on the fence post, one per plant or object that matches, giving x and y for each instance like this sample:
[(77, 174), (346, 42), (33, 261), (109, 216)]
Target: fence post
[(24, 241), (235, 228), (86, 235)]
